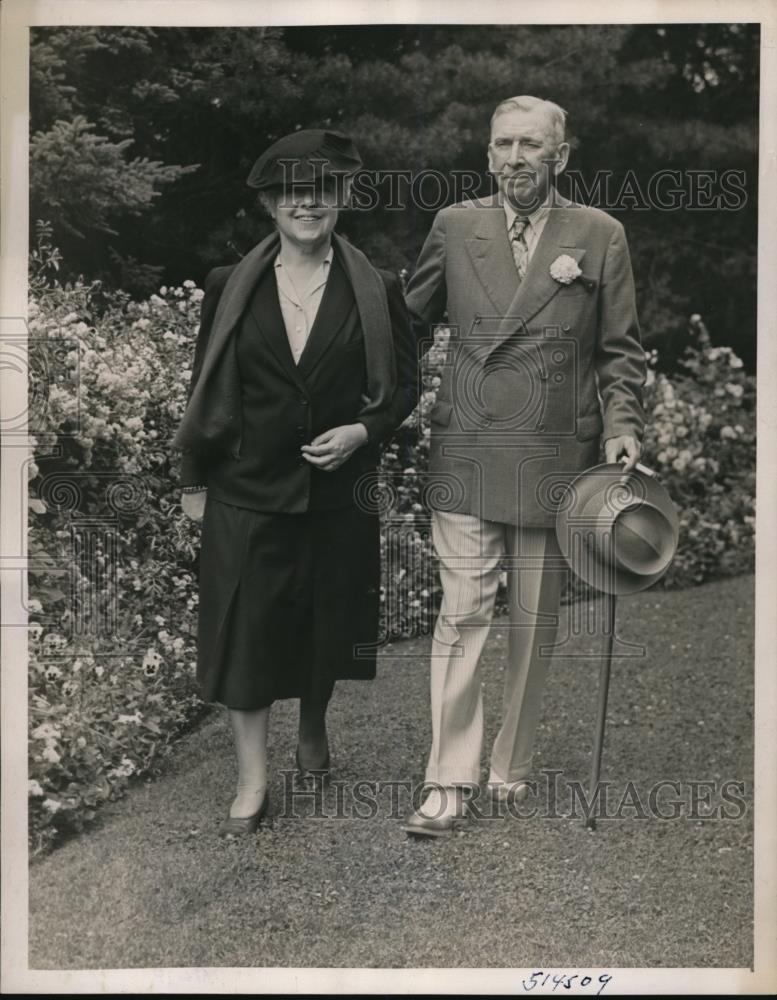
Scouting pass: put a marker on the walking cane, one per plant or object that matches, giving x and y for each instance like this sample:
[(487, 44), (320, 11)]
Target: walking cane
[(641, 559), (601, 711)]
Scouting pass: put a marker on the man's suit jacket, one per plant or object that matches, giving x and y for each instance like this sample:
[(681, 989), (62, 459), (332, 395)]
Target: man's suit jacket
[(212, 423), (536, 370)]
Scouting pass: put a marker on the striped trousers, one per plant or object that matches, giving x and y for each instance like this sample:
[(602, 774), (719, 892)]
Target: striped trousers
[(470, 552)]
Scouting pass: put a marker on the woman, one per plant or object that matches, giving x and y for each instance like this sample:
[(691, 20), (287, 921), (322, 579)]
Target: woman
[(304, 363)]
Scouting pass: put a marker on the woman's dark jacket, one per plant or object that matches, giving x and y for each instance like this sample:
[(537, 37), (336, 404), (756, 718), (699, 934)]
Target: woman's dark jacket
[(361, 304)]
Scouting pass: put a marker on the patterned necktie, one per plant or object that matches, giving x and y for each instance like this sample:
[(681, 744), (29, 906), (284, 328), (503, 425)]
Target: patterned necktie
[(519, 246)]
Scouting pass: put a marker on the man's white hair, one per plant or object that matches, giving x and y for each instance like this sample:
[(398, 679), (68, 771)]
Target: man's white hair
[(556, 115)]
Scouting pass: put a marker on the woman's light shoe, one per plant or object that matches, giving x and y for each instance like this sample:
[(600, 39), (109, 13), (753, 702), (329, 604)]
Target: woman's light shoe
[(237, 826)]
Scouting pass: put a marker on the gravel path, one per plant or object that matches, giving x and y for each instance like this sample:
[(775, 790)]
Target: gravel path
[(154, 885)]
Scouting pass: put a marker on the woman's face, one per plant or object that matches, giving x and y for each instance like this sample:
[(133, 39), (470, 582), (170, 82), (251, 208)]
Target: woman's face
[(306, 215)]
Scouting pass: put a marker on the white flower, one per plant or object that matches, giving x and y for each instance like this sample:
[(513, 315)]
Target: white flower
[(34, 606), (129, 719), (34, 789), (727, 433), (735, 390), (45, 731), (734, 361), (125, 769), (564, 269), (52, 805), (50, 754)]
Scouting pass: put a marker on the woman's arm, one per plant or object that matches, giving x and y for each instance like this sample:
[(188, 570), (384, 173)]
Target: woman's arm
[(194, 471)]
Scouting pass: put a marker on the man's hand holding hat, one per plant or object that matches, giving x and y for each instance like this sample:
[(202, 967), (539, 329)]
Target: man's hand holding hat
[(625, 449)]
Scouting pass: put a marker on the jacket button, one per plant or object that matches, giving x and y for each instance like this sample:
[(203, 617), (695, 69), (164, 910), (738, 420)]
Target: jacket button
[(303, 401), (565, 327), (477, 318), (487, 421), (540, 427)]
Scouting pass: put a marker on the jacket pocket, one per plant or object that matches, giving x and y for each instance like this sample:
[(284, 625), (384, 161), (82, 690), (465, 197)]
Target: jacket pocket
[(589, 427), (441, 413)]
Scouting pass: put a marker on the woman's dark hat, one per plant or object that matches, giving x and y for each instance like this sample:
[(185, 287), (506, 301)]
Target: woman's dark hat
[(618, 531), (305, 157)]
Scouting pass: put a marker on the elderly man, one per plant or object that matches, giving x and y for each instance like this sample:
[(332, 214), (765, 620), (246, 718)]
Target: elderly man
[(544, 359)]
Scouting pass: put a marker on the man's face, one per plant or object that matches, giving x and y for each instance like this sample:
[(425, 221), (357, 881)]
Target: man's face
[(524, 156), (306, 214)]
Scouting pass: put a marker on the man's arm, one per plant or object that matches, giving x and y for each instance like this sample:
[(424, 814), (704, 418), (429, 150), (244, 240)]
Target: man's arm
[(381, 425), (620, 359), (427, 294)]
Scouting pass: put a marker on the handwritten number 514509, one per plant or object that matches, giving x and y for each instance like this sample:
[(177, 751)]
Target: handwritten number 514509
[(565, 980)]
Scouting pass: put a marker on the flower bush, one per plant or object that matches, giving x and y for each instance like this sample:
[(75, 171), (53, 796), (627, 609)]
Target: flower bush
[(113, 587), (700, 439), (113, 580)]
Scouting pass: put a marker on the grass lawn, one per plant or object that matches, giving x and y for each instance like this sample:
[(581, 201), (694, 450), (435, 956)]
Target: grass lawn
[(155, 886)]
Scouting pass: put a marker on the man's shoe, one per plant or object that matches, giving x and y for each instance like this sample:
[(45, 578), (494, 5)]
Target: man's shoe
[(238, 826), (441, 823), (418, 825)]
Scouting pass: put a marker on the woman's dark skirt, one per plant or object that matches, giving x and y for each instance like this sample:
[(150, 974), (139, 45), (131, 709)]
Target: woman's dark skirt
[(289, 603)]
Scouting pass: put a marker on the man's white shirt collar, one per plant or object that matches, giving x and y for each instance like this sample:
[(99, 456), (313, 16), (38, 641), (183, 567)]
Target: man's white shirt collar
[(538, 216)]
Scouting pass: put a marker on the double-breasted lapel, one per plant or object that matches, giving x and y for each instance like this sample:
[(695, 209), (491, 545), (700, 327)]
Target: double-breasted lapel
[(492, 257), (538, 287)]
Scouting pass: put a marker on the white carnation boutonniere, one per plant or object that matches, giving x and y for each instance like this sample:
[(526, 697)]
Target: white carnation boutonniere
[(564, 269)]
